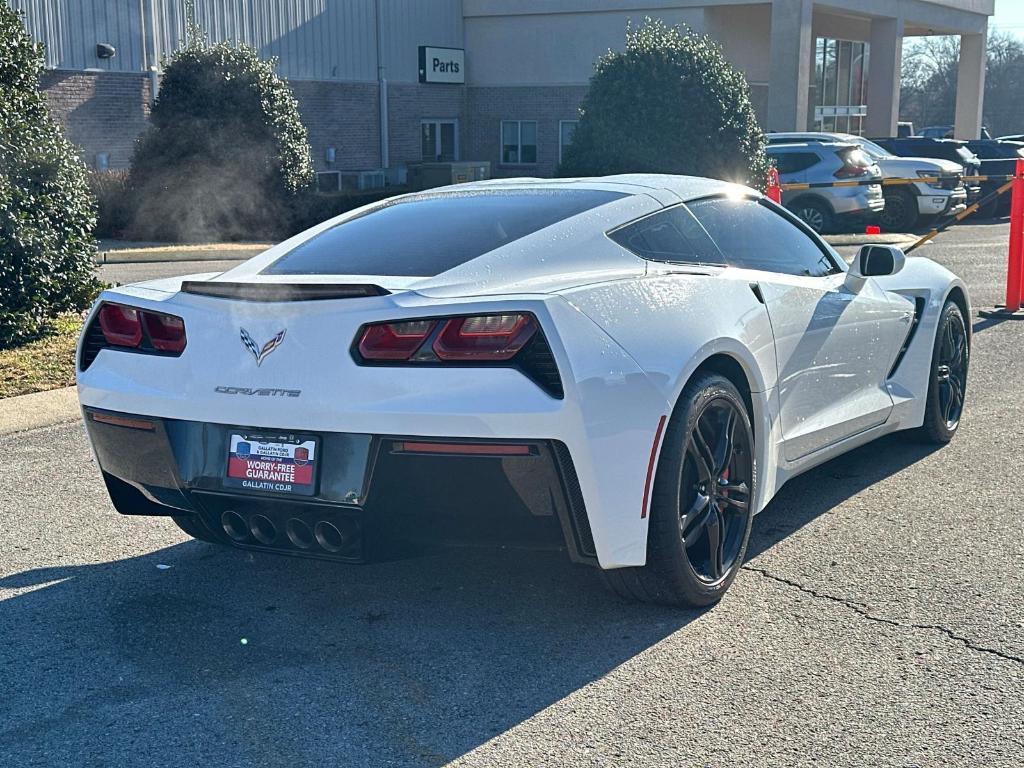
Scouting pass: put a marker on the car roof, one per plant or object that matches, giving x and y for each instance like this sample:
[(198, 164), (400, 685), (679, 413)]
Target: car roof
[(684, 188), (834, 135), (812, 145)]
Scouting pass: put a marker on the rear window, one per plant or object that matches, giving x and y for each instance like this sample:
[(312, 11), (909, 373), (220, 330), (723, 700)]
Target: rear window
[(425, 236), (856, 157)]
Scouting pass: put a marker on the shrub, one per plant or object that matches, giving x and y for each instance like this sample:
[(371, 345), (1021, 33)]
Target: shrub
[(669, 103), (226, 150), (46, 210), (311, 208), (113, 202)]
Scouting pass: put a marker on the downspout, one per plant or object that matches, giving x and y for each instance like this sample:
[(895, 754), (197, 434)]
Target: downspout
[(142, 35), (154, 67), (382, 83)]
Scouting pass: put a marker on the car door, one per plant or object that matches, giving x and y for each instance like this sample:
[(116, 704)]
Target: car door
[(835, 339)]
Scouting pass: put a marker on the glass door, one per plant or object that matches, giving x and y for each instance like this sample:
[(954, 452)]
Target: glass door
[(439, 140)]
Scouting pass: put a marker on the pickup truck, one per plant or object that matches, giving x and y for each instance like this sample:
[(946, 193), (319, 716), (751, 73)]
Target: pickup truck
[(961, 151)]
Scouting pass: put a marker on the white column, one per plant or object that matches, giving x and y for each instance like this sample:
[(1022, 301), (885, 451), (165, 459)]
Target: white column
[(884, 77), (970, 86), (789, 75)]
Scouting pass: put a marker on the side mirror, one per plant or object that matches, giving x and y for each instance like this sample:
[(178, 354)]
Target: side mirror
[(877, 261)]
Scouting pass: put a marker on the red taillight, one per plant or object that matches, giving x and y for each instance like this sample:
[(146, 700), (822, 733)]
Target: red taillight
[(851, 172), (121, 325), (394, 341), (486, 337), (166, 332)]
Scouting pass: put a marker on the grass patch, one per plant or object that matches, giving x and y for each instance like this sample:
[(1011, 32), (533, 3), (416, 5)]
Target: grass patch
[(46, 363)]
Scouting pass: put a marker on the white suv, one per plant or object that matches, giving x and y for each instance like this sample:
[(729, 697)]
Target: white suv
[(905, 205)]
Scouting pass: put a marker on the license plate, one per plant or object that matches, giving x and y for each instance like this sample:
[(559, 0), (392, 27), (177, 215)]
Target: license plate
[(275, 465)]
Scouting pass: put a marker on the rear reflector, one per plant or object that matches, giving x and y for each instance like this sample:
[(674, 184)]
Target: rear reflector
[(470, 449), (124, 421), (650, 466)]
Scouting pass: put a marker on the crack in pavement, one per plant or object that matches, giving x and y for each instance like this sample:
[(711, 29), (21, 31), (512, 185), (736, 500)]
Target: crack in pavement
[(862, 610)]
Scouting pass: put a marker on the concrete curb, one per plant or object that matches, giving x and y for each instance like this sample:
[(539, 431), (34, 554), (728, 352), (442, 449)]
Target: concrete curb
[(216, 252), (891, 238), (39, 409)]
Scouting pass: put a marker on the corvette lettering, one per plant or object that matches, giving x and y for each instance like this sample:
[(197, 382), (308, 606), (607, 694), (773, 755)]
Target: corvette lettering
[(261, 392)]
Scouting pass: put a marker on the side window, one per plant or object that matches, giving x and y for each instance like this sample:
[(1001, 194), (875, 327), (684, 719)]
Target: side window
[(806, 160), (784, 162), (794, 162), (672, 236), (753, 236)]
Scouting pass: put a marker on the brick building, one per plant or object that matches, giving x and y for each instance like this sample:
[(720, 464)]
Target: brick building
[(383, 84)]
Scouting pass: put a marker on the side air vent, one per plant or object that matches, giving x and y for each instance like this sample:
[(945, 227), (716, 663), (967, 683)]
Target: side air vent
[(280, 291), (536, 361), (919, 304), (92, 343)]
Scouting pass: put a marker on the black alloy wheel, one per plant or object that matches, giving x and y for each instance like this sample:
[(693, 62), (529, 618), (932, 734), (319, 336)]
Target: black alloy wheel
[(951, 373), (947, 387), (715, 490), (702, 502)]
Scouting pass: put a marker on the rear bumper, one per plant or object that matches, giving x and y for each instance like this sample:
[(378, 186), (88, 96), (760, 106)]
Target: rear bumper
[(372, 490)]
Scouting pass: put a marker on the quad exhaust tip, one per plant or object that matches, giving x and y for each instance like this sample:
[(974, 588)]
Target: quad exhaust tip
[(262, 529), (329, 536), (299, 534), (234, 525)]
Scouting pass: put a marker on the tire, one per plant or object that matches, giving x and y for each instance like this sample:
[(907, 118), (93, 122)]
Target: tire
[(684, 567), (901, 212), (814, 214), (947, 378), (194, 526)]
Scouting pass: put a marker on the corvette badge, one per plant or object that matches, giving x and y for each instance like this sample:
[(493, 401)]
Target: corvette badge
[(261, 353)]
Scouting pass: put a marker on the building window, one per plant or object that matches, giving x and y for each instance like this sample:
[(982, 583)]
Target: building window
[(439, 140), (566, 128), (840, 83), (518, 142)]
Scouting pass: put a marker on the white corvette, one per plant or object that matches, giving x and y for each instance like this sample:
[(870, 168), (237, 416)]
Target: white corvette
[(627, 367)]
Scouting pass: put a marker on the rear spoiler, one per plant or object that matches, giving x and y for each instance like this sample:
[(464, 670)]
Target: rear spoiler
[(280, 291)]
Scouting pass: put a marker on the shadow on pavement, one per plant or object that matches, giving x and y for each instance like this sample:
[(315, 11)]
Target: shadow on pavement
[(810, 495), (233, 658)]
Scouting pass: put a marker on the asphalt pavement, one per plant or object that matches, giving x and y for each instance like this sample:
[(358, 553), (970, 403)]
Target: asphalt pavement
[(877, 622)]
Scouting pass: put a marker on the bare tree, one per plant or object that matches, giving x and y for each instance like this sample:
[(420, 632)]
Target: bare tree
[(929, 82)]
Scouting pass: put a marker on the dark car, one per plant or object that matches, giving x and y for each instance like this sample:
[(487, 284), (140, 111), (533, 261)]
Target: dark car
[(946, 132), (959, 152), (998, 158)]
